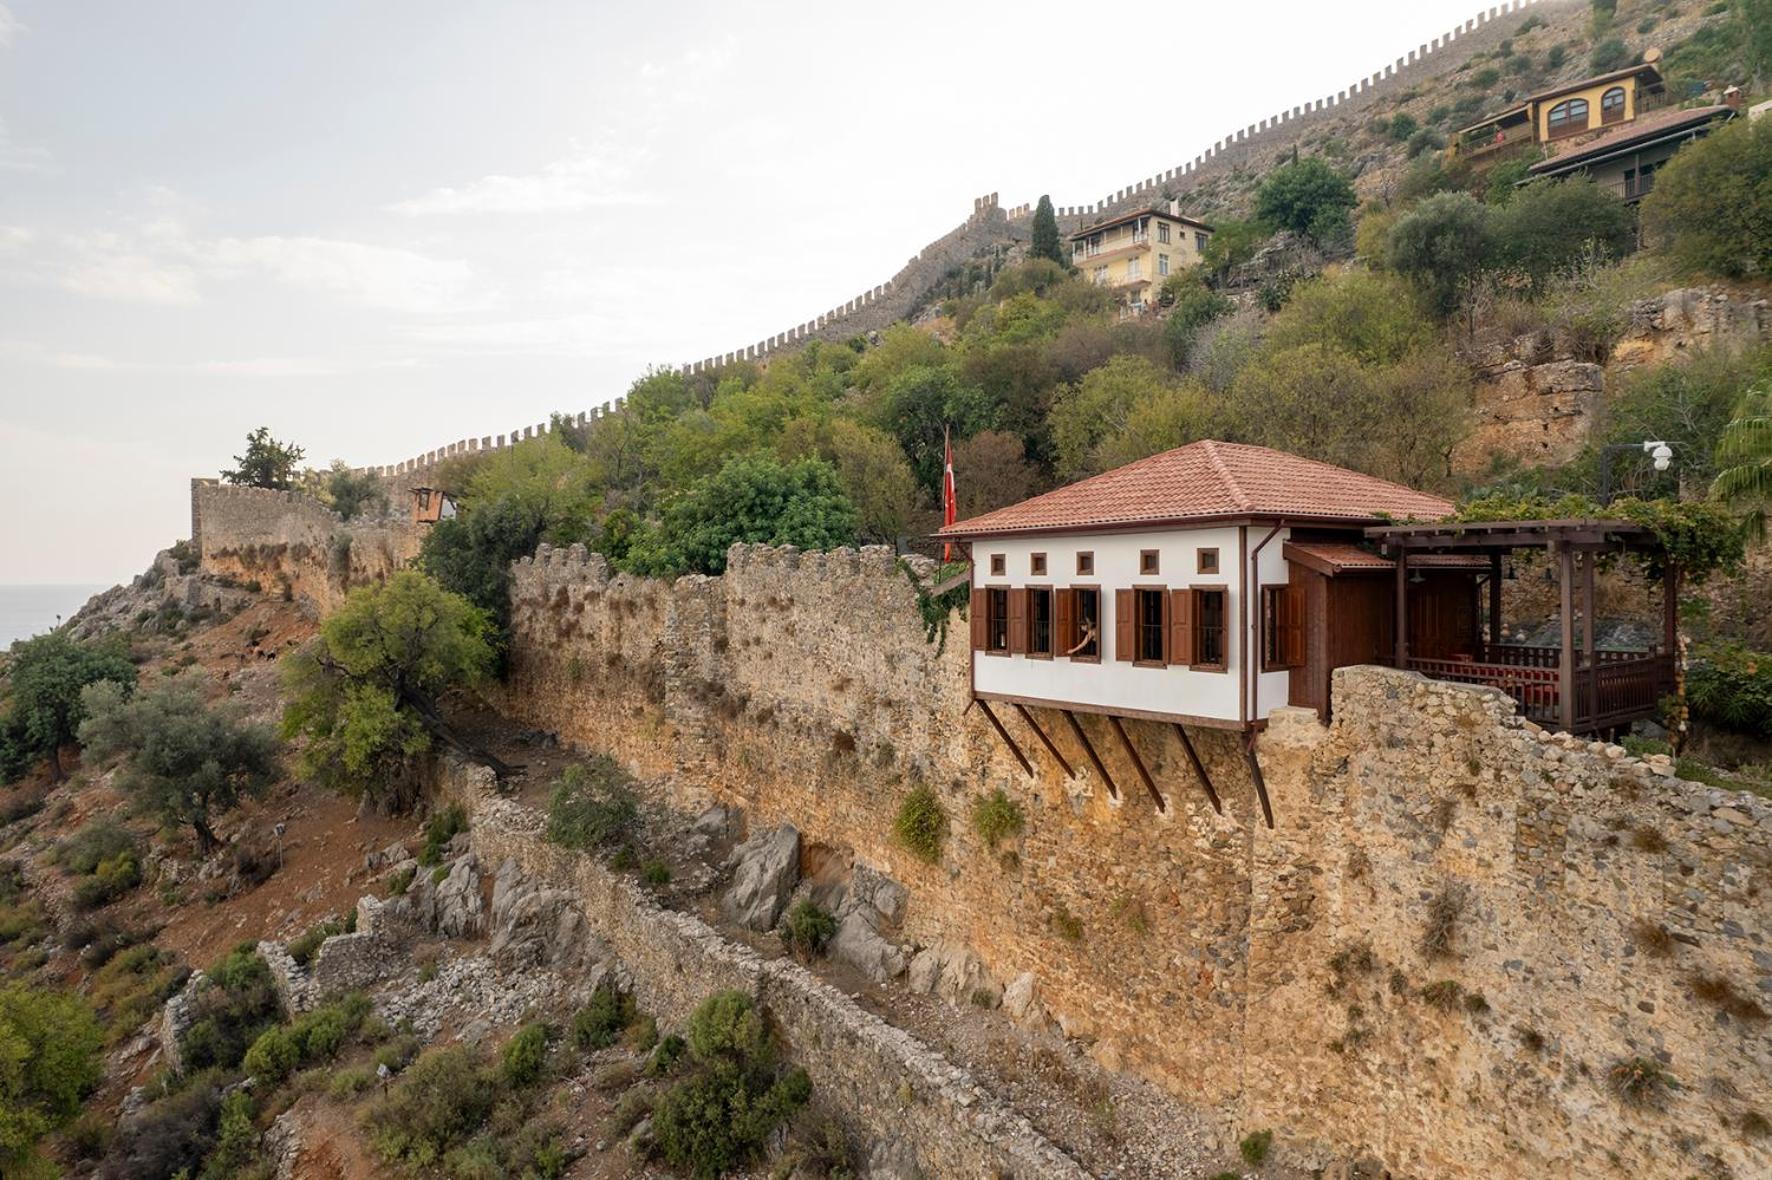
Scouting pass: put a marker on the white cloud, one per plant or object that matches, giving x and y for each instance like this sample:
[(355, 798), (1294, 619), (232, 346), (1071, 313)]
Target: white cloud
[(375, 276), (14, 238), (582, 180), (110, 268)]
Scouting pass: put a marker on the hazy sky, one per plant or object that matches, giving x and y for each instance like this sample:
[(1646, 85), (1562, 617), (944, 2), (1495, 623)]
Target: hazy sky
[(382, 226)]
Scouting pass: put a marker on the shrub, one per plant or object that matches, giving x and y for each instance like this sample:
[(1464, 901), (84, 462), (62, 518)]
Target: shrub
[(438, 1104), (1307, 197), (1443, 994), (1638, 1082), (723, 1113), (921, 825), (171, 1137), (808, 928), (401, 881), (1712, 202), (1402, 126), (592, 805), (349, 1082), (235, 1008), (130, 988), (1549, 227), (1610, 54), (655, 873), (1067, 924), (111, 880), (524, 1055), (598, 1023), (997, 817), (1718, 991), (1442, 246), (96, 842), (1254, 1147), (304, 948), (273, 1056), (50, 1044), (440, 829), (1730, 686)]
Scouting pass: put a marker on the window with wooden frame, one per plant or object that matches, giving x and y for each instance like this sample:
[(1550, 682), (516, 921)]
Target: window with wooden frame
[(1206, 561), (1037, 564), (999, 565), (1282, 628), (1141, 626), (1085, 563), (1209, 630), (1077, 620), (1040, 621), (1147, 563), (1612, 105), (990, 619), (1567, 118)]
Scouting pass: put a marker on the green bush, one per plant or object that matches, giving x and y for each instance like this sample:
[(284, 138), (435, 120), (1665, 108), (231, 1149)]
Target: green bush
[(273, 1056), (307, 944), (111, 880), (1712, 202), (1307, 197), (921, 824), (997, 817), (49, 1043), (1254, 1147), (721, 1115), (1730, 686), (237, 1005), (172, 1136), (437, 1105), (1402, 126), (592, 805), (440, 829), (96, 842), (524, 1055), (132, 985), (401, 881), (807, 928), (1610, 54), (600, 1022)]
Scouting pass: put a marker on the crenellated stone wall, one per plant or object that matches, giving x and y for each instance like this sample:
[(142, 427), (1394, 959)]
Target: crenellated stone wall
[(1273, 977)]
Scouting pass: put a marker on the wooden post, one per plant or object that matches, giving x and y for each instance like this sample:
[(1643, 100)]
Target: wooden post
[(1590, 677), (1044, 740), (990, 715), (1495, 599), (1566, 653), (1138, 763), (1094, 758), (1199, 769), (1670, 610), (1402, 637)]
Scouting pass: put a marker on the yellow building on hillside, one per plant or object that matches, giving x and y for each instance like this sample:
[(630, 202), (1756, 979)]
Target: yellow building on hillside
[(1134, 252), (1569, 110)]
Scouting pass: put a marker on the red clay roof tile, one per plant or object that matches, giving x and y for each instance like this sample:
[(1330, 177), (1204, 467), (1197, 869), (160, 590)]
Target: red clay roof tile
[(1206, 480)]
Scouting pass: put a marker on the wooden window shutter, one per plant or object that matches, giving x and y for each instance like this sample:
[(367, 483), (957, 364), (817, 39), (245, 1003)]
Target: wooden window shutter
[(1181, 626), (1166, 631), (1018, 622), (1125, 625), (1064, 620), (1291, 611), (979, 622)]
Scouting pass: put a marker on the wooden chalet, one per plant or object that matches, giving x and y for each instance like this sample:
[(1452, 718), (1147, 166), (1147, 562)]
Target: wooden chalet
[(1207, 585)]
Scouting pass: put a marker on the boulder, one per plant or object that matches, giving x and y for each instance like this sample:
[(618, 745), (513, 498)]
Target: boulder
[(536, 927), (892, 1159), (460, 910), (874, 890), (951, 970), (858, 944), (1021, 1001), (392, 855), (765, 870)]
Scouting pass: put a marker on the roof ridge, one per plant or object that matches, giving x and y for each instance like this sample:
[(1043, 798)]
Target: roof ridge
[(1224, 472)]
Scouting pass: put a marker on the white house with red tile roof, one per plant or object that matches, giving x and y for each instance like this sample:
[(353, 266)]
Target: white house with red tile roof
[(1178, 588)]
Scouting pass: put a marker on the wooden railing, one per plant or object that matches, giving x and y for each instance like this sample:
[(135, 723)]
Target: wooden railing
[(1618, 688), (1535, 656)]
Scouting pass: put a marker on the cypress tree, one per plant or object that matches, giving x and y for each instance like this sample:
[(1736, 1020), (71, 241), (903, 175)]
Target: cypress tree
[(1046, 244)]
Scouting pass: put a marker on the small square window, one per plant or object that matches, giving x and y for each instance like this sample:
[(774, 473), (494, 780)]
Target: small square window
[(1147, 562), (998, 565), (1085, 563), (1208, 561), (1037, 563)]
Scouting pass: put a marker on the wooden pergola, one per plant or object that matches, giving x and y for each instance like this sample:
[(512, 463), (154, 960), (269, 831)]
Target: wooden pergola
[(1571, 686)]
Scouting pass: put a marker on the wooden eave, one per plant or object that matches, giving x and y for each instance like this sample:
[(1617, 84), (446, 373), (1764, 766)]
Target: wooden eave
[(1161, 524), (1486, 536)]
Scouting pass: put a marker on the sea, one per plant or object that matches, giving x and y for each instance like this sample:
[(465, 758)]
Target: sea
[(31, 610)]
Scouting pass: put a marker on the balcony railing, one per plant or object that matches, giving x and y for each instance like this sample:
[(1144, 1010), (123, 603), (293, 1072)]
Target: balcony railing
[(1619, 687)]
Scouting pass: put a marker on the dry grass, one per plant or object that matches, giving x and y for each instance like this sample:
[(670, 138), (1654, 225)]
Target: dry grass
[(1653, 938), (1638, 1082), (1443, 912), (1647, 839)]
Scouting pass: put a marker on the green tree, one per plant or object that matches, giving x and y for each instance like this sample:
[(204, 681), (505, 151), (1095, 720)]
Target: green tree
[(1551, 226), (990, 471), (1374, 318), (1233, 243), (875, 477), (49, 1062), (1307, 197), (553, 483), (1711, 208), (754, 498), (920, 403), (364, 693), (1312, 400), (471, 555), (187, 762), (1157, 421), (1754, 18), (1442, 246), (1744, 461), (1421, 410), (48, 673), (354, 493), (267, 463), (1097, 408), (1045, 242)]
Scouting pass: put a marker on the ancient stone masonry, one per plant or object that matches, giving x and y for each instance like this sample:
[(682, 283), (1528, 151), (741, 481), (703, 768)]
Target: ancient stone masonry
[(289, 539), (1458, 927)]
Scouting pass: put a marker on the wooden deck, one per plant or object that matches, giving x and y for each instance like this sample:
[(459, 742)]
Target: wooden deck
[(1617, 688)]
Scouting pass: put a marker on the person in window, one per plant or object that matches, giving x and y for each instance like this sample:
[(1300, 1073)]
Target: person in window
[(1087, 642)]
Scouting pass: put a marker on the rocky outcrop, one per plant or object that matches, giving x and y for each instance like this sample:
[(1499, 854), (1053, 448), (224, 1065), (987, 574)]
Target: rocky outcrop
[(871, 909), (460, 909), (536, 926), (765, 869), (954, 972)]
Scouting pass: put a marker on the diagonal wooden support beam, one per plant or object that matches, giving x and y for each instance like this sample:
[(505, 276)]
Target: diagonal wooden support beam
[(1094, 758), (1199, 767), (990, 715), (1267, 810), (1044, 740), (1138, 763)]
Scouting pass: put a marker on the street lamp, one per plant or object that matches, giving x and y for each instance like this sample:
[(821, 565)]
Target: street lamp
[(1661, 456)]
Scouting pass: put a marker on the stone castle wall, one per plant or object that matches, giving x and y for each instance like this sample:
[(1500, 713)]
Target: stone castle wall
[(289, 539), (1273, 977)]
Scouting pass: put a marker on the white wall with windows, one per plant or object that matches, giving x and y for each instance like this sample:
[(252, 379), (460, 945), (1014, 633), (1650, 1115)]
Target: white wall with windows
[(1203, 564)]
